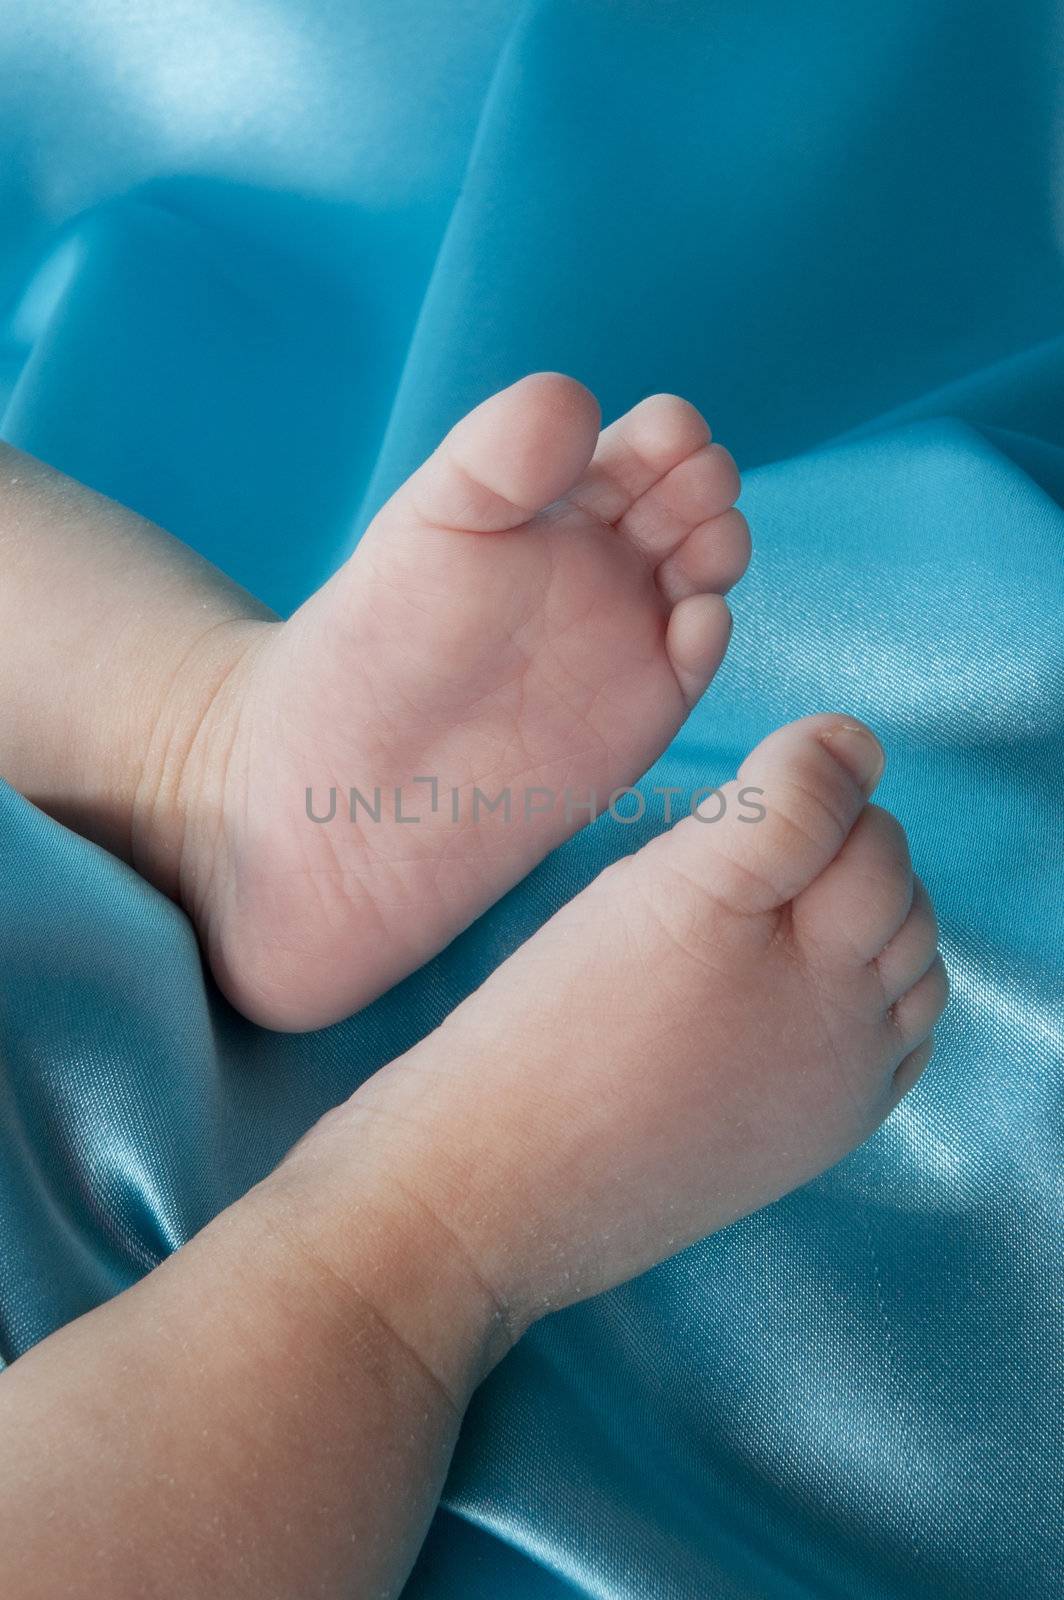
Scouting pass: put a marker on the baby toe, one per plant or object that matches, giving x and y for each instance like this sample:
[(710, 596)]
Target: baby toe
[(803, 787), (637, 450), (911, 1068), (696, 639), (916, 1013), (508, 458), (912, 950), (862, 898), (702, 486), (710, 560)]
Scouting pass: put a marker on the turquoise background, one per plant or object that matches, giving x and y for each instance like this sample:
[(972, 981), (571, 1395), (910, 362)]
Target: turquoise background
[(255, 256)]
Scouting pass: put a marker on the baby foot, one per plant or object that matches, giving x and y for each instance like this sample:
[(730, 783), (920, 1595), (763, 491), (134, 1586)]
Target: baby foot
[(536, 610), (713, 1021)]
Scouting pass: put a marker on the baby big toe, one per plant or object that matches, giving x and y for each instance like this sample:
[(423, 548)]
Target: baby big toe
[(508, 458), (811, 780)]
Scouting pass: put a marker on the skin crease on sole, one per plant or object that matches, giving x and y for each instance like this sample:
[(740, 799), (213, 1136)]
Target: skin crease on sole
[(539, 606), (713, 1021)]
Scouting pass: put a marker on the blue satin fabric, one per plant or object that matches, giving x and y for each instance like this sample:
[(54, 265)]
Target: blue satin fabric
[(255, 258)]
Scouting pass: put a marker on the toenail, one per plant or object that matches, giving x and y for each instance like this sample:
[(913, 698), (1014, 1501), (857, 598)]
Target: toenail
[(859, 751)]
